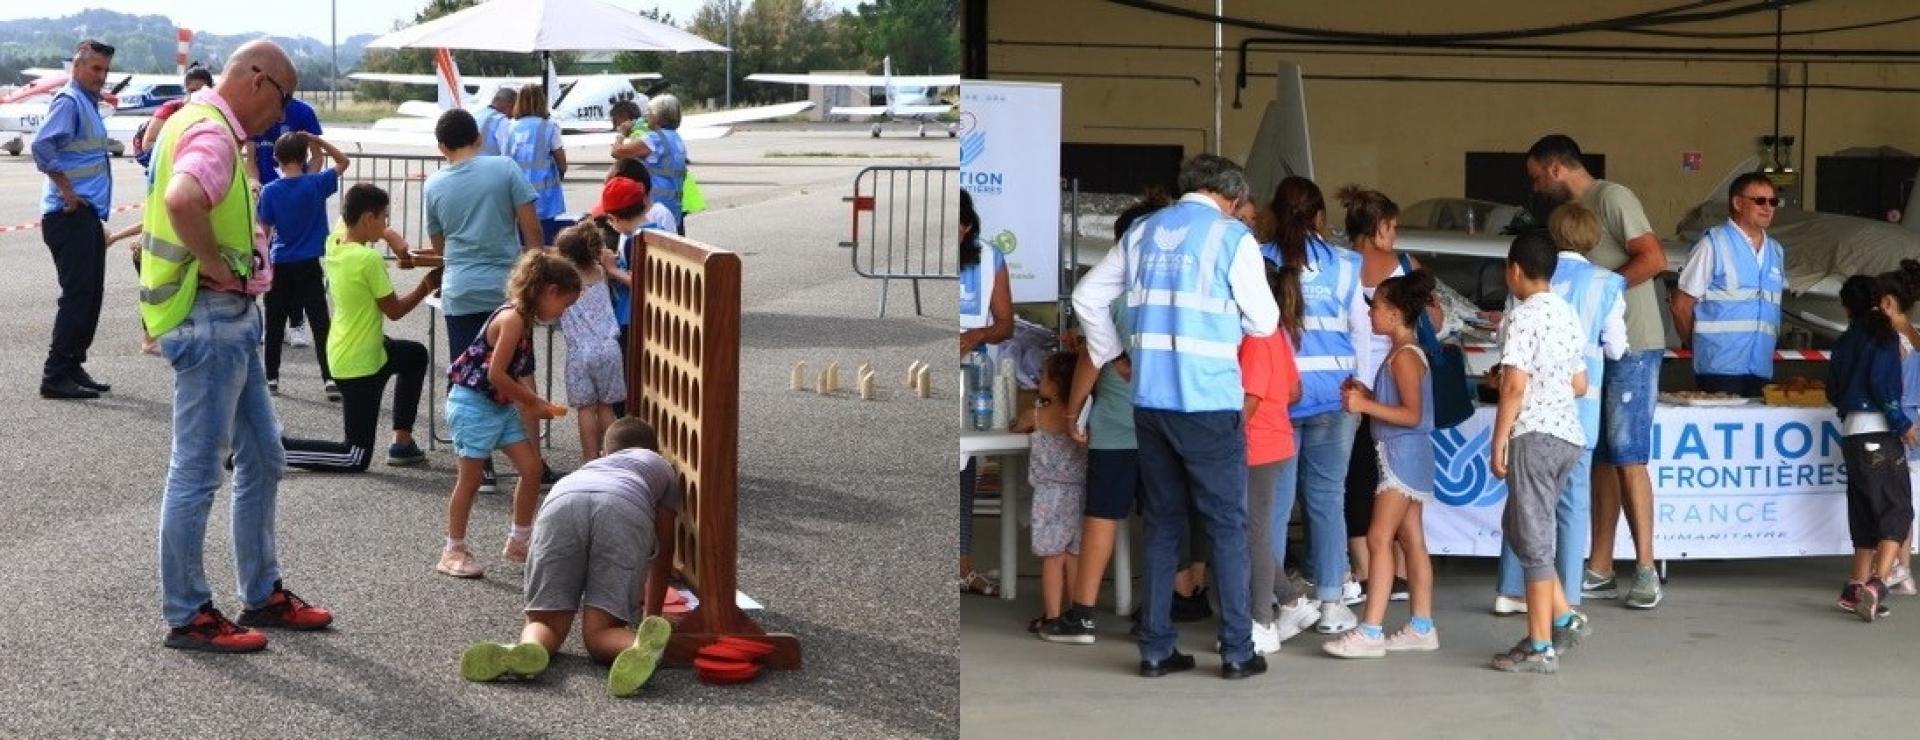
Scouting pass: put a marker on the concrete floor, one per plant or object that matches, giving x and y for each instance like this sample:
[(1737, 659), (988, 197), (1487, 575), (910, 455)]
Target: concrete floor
[(846, 525), (1737, 649)]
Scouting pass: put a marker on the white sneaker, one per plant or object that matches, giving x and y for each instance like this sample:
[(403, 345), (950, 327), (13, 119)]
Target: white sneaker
[(1504, 605), (1351, 593), (1296, 617), (1407, 640), (1901, 581), (1356, 644), (297, 337), (1335, 619), (1266, 639)]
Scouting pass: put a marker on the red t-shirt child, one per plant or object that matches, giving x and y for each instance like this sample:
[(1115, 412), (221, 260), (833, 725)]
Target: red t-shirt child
[(1267, 372)]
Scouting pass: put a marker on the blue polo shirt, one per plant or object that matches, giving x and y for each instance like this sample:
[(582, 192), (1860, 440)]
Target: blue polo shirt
[(296, 209), (299, 117)]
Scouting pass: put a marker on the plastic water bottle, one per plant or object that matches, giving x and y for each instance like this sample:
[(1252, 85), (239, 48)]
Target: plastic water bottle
[(1473, 221), (980, 390)]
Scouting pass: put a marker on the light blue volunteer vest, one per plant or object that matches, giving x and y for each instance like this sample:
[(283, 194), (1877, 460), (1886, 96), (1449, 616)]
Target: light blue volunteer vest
[(1735, 322), (1592, 292), (83, 158), (527, 144), (667, 164), (490, 120), (1325, 357), (1186, 327), (976, 289)]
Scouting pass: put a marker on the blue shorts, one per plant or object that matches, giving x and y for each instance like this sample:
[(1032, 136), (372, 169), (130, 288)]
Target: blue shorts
[(479, 425), (1113, 483), (1626, 408)]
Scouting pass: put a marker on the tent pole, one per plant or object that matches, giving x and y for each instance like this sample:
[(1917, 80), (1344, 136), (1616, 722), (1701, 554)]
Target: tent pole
[(546, 80)]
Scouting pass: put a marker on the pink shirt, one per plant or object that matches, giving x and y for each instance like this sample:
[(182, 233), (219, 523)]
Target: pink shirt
[(206, 153)]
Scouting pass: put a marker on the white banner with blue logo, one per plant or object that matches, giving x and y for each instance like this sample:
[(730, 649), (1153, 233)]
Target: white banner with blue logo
[(1010, 163), (1745, 482)]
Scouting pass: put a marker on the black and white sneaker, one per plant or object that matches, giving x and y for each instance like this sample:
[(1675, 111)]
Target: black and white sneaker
[(1071, 628), (488, 482)]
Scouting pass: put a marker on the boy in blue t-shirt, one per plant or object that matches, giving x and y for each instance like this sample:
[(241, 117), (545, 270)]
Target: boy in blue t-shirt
[(293, 210)]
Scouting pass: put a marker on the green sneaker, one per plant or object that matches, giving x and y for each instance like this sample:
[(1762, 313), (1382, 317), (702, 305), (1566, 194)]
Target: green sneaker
[(635, 665), (1646, 588), (1596, 586), (489, 661)]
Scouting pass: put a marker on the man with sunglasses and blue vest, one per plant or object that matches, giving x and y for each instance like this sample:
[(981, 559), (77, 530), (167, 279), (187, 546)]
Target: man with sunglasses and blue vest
[(71, 150), (1194, 285), (1728, 304)]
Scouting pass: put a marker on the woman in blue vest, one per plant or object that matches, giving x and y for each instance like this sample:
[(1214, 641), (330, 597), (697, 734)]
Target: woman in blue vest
[(986, 318), (665, 155), (1336, 311), (533, 142)]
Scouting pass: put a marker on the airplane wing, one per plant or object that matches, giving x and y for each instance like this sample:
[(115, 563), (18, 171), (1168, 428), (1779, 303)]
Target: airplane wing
[(921, 110), (397, 78), (744, 115), (859, 110), (841, 80), (39, 72)]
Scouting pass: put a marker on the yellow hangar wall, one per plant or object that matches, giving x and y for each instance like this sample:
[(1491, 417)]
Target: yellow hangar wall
[(1403, 119)]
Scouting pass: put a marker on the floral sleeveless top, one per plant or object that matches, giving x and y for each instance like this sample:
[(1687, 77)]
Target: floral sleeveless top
[(470, 368)]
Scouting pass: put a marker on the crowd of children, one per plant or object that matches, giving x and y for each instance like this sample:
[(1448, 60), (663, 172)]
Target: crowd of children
[(1564, 319)]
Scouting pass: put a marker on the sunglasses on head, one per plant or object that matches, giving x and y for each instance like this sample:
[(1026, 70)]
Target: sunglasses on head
[(285, 96), (1762, 200), (95, 47)]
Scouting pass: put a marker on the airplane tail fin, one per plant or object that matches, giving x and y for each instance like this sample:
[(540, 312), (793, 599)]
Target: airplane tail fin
[(886, 73), (452, 94), (185, 38), (1282, 148), (552, 82)]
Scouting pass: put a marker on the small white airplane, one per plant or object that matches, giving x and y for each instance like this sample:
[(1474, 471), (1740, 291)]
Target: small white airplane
[(913, 97), (580, 105), (23, 111)]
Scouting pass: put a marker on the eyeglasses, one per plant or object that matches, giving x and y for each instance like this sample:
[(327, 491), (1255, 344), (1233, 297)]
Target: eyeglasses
[(285, 97), (1761, 200)]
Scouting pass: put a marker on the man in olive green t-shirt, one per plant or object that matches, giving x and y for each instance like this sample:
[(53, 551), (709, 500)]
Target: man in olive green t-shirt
[(1629, 247)]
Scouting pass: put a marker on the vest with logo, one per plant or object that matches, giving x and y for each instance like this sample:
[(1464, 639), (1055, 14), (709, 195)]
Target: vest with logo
[(527, 145), (1592, 292), (1325, 356), (1185, 345), (1734, 324), (976, 289), (169, 274), (667, 164), (490, 119), (83, 158)]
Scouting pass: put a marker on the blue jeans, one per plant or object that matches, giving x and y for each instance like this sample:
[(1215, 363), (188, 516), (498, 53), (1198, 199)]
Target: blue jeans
[(1326, 441), (1197, 460), (220, 401), (1572, 518), (1626, 408)]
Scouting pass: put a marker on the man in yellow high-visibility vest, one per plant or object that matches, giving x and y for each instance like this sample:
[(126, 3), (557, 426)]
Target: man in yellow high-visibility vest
[(202, 268)]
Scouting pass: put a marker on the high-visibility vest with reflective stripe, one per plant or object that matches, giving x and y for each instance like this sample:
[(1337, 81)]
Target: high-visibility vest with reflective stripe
[(1325, 357), (527, 139), (169, 274), (490, 120), (1735, 322), (1592, 292), (83, 158), (1185, 345), (667, 164)]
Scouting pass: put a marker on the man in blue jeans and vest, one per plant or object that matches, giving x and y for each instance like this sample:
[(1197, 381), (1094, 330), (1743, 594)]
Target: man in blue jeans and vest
[(201, 269), (1194, 285), (1728, 303), (71, 150)]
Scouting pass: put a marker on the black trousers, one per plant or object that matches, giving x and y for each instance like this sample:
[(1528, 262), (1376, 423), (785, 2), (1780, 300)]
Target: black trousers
[(360, 405), (298, 288), (78, 242)]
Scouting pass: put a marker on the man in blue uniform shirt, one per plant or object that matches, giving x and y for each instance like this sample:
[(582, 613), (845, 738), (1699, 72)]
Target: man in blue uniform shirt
[(71, 150)]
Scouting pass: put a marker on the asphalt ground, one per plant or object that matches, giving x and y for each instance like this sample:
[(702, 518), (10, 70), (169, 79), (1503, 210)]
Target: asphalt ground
[(846, 525)]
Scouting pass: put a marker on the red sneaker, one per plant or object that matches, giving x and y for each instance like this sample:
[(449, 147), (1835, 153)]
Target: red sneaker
[(210, 631), (284, 609)]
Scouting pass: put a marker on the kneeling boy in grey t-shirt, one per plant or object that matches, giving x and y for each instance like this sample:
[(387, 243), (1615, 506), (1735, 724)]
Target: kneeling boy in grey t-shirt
[(594, 534)]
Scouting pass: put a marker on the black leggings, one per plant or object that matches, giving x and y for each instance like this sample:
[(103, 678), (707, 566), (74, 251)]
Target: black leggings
[(298, 288), (1363, 481), (360, 404)]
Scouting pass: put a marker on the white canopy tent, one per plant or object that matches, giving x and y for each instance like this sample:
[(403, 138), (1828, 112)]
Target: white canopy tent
[(544, 27)]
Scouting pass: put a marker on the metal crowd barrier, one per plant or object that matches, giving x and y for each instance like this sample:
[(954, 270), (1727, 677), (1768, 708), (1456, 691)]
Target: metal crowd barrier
[(904, 222)]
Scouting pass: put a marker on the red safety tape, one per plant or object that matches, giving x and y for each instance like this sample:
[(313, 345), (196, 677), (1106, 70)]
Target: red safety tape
[(1812, 355), (36, 224)]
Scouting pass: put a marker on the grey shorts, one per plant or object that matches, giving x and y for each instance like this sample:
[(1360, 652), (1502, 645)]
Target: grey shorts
[(1537, 466), (589, 549)]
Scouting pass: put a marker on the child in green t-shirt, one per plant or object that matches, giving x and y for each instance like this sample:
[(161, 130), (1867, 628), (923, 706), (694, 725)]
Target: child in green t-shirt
[(360, 354)]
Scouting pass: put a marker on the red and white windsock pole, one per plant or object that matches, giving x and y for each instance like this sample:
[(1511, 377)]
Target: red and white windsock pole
[(180, 55)]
